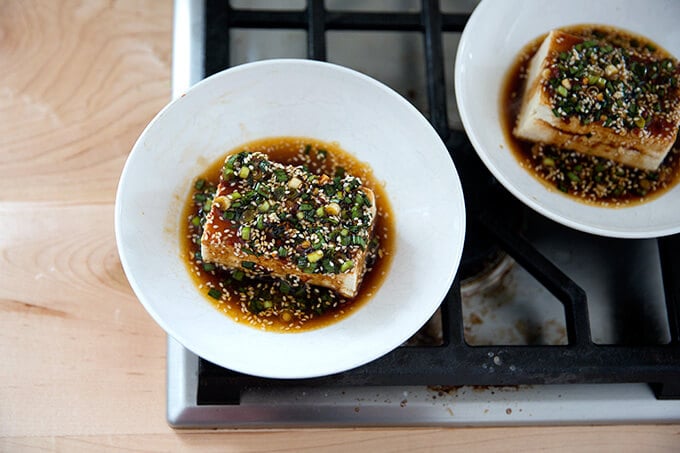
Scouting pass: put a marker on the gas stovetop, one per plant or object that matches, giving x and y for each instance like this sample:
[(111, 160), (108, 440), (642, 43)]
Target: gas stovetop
[(542, 325)]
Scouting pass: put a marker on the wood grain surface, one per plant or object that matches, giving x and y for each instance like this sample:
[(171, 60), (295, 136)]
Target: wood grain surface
[(83, 365)]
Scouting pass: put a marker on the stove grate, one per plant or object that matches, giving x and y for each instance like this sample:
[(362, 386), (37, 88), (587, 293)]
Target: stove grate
[(455, 363)]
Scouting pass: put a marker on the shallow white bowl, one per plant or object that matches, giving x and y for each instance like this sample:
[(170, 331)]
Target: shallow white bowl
[(495, 33), (291, 98)]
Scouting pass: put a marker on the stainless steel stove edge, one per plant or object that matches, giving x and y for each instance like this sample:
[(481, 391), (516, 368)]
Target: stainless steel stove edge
[(410, 406), (383, 406), (187, 45)]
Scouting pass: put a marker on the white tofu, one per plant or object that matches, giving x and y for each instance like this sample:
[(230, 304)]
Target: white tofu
[(222, 242), (641, 148)]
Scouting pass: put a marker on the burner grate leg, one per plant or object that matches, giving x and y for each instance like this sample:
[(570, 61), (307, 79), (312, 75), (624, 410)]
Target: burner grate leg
[(667, 390)]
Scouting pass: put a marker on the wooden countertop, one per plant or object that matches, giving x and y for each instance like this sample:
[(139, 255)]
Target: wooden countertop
[(83, 365)]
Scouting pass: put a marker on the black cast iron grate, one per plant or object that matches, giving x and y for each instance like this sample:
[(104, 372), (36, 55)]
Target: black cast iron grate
[(455, 362)]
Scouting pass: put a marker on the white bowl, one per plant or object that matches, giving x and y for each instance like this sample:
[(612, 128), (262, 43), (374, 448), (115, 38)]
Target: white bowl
[(495, 33), (291, 98)]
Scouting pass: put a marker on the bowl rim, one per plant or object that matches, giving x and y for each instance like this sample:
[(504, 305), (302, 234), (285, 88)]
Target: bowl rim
[(534, 202), (167, 325)]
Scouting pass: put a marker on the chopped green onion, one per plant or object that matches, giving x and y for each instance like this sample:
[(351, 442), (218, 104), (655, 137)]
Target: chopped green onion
[(358, 240), (315, 256), (248, 215), (215, 293), (199, 184), (263, 189), (347, 265), (284, 287), (562, 91), (196, 221), (238, 275), (279, 192), (294, 183), (320, 212), (332, 208), (282, 252), (248, 264), (245, 233), (231, 160), (244, 172), (264, 206), (281, 175), (222, 202), (328, 266)]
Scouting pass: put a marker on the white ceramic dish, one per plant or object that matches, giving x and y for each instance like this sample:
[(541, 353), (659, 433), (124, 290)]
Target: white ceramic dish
[(291, 98), (495, 33)]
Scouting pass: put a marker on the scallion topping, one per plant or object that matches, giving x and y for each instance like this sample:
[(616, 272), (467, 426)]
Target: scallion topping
[(315, 256), (347, 265)]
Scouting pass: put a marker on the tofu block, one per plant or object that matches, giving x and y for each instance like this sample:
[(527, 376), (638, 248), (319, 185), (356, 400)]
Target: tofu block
[(281, 220), (597, 98)]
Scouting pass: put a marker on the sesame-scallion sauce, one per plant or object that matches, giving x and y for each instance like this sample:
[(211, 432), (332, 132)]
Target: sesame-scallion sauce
[(269, 303), (591, 179)]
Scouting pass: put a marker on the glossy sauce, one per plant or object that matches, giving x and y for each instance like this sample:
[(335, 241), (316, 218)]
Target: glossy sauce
[(319, 157), (530, 155)]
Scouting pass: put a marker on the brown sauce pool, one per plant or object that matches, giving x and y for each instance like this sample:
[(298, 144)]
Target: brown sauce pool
[(589, 179), (235, 296)]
